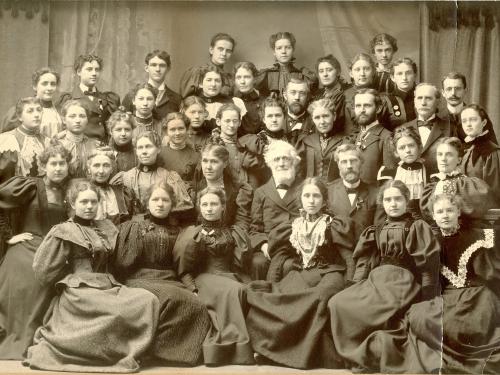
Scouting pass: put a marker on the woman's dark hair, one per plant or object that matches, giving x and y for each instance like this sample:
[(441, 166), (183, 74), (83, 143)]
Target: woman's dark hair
[(82, 59), (381, 38), (54, 149), (406, 131), (222, 36), (159, 185), (393, 184), (331, 60), (481, 112), (76, 187), (161, 55), (211, 190), (174, 116), (151, 135), (282, 35), (404, 60), (219, 151), (24, 102), (145, 86), (228, 107), (40, 72), (362, 56), (271, 101), (246, 65), (452, 142), (319, 183)]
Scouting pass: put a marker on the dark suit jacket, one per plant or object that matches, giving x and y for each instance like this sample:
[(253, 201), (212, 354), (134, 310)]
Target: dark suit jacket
[(364, 212), (99, 110), (170, 102), (440, 129), (269, 210), (296, 136)]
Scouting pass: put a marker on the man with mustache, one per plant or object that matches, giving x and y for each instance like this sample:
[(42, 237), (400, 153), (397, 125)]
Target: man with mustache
[(298, 121), (349, 196), (274, 203)]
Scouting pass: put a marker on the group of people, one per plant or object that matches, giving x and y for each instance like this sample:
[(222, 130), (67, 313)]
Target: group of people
[(279, 216)]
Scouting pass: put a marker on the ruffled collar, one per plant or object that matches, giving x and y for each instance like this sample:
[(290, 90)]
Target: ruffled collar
[(481, 138), (28, 132), (416, 165), (446, 176), (450, 232), (144, 121)]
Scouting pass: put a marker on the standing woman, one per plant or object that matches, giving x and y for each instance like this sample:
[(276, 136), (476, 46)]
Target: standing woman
[(144, 259), (143, 100), (45, 84), (95, 323), (23, 301)]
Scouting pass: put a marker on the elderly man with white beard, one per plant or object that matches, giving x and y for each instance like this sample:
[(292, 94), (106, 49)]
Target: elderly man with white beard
[(274, 203)]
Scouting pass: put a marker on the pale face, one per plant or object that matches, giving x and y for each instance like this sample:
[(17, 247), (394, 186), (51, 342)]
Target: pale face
[(349, 166), (212, 166), (445, 214), (221, 52), (122, 133), (196, 115), (327, 74), (407, 150), (211, 84), (157, 70), (404, 77), (229, 123), (282, 167), (100, 168), (425, 101), (394, 202), (447, 158), (144, 102), (453, 91), (472, 123), (283, 51), (211, 207), (76, 119), (244, 80), (177, 132), (274, 119), (146, 151), (383, 53), (89, 73), (323, 119), (56, 169), (46, 87), (159, 204), (365, 109), (31, 117), (296, 97), (362, 73), (311, 198), (85, 205)]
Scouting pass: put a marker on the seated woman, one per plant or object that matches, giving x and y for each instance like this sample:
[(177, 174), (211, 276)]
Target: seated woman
[(120, 128), (144, 97), (45, 84), (74, 139), (209, 257), (148, 172), (144, 259), (482, 158), (317, 150), (396, 266), (95, 324), (23, 301), (199, 130), (288, 321)]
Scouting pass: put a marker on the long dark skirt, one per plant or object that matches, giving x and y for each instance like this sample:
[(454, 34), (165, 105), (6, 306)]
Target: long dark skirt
[(289, 323)]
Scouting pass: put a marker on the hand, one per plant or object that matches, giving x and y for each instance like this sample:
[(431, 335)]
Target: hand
[(20, 238), (263, 248)]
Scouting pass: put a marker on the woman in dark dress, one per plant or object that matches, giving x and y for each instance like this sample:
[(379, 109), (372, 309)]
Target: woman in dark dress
[(144, 259), (200, 130), (396, 266), (210, 256), (144, 97), (36, 204), (94, 324), (120, 127), (288, 320)]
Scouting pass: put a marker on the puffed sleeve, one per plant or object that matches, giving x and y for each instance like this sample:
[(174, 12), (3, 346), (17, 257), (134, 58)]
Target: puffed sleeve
[(9, 149), (310, 77), (17, 191), (50, 261), (130, 199), (252, 150), (486, 262), (129, 247), (181, 190), (127, 102), (111, 101), (243, 206), (63, 98), (9, 121), (187, 255), (343, 239), (491, 175), (189, 82), (390, 160), (242, 249), (257, 235), (365, 255)]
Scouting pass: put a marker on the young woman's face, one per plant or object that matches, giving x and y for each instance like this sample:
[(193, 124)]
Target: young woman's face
[(472, 123), (394, 202), (362, 73), (221, 51), (100, 168), (146, 151), (211, 207), (323, 119), (196, 114), (283, 51), (229, 123), (447, 158), (76, 119), (404, 77), (159, 204), (274, 119), (85, 205), (46, 87), (446, 214), (211, 84), (407, 149), (177, 132), (311, 198), (144, 102), (56, 169), (244, 80), (31, 116), (327, 74), (89, 73), (122, 133), (212, 166)]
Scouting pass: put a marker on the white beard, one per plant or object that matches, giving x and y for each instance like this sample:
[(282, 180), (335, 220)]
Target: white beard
[(281, 177)]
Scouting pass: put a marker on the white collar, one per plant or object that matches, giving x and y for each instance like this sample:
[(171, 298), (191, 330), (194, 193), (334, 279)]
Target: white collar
[(85, 88), (351, 186), (159, 88), (429, 119)]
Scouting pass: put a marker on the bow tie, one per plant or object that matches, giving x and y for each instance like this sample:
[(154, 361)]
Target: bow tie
[(283, 187), (90, 93), (351, 190), (427, 124)]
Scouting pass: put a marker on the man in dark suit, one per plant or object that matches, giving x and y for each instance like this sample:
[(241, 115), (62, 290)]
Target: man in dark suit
[(349, 196), (298, 122), (274, 203), (430, 127), (157, 66), (99, 104)]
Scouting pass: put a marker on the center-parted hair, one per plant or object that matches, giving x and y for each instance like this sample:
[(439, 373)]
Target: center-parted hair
[(212, 190), (222, 36), (406, 131), (383, 38), (163, 185), (228, 107), (151, 135), (404, 60), (174, 116), (282, 35), (40, 72), (76, 187), (24, 102), (161, 55), (73, 103), (319, 183), (362, 56), (54, 149), (405, 192), (269, 102)]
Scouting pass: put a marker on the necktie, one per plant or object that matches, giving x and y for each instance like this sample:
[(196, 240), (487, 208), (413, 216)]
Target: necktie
[(282, 186), (351, 190), (90, 93), (425, 124)]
